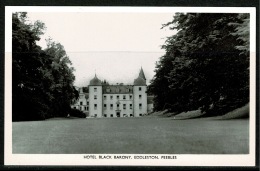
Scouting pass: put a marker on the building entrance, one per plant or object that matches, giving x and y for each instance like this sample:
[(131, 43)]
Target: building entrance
[(117, 114)]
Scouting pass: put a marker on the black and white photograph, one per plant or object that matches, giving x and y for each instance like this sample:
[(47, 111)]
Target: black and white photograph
[(135, 86)]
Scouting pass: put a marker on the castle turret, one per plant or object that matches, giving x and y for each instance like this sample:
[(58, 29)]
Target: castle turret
[(141, 74), (140, 95), (95, 97)]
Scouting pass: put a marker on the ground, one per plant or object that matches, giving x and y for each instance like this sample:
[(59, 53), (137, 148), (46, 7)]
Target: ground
[(145, 135)]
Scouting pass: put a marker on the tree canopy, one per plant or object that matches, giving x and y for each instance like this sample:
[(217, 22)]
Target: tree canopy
[(206, 64), (42, 80)]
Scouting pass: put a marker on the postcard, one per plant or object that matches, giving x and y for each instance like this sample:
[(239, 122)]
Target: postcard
[(130, 86)]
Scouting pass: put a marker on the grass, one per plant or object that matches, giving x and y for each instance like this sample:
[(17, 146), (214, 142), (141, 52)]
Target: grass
[(146, 135), (241, 112), (188, 115)]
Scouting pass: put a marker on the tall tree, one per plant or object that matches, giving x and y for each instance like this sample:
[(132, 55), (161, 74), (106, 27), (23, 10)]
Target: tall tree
[(27, 59), (63, 78), (42, 81), (207, 68)]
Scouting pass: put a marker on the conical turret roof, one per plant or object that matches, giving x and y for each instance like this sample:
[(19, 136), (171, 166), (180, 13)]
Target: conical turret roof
[(141, 74), (141, 80)]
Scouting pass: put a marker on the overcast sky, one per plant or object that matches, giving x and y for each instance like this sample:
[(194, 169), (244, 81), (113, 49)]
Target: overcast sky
[(114, 45)]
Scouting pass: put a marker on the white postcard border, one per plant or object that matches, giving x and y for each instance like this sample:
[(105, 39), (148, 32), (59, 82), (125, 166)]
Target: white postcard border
[(81, 159)]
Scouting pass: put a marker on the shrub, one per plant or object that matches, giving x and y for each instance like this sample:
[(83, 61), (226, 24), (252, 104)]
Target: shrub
[(77, 113)]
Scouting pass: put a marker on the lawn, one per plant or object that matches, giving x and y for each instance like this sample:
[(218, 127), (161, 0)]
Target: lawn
[(146, 135)]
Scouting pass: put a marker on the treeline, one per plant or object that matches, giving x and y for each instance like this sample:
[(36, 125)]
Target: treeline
[(42, 80), (206, 64)]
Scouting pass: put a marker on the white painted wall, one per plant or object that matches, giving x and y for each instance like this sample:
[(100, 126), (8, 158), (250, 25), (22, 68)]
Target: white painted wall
[(142, 100), (108, 101), (100, 111), (81, 103), (98, 93)]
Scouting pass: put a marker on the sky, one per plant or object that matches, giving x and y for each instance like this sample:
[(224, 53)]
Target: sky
[(114, 45)]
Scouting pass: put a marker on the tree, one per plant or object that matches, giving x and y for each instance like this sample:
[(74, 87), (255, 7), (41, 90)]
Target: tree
[(62, 87), (204, 67), (42, 81), (242, 33), (28, 59)]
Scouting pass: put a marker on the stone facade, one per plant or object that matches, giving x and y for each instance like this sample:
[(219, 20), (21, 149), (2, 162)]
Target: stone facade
[(115, 100)]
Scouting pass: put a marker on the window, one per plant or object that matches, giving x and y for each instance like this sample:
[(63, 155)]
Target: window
[(131, 115), (140, 105), (117, 105), (130, 106), (130, 96), (85, 108), (127, 90), (111, 115), (87, 103), (124, 106), (140, 96), (111, 106), (95, 106), (124, 97), (95, 96), (140, 88), (95, 89), (105, 97), (81, 103), (140, 114), (95, 115), (108, 90), (105, 106), (117, 97), (105, 115), (111, 97)]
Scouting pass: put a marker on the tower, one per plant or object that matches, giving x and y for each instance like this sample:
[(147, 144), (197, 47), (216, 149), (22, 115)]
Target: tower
[(140, 95), (95, 97)]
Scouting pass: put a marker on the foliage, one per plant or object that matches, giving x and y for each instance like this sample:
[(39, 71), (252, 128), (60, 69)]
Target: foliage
[(42, 81), (77, 113), (206, 64), (85, 89)]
